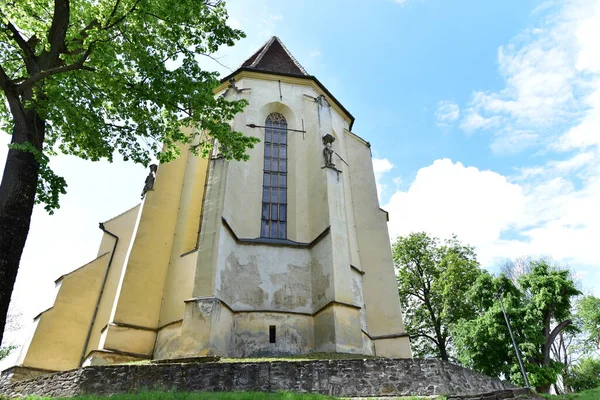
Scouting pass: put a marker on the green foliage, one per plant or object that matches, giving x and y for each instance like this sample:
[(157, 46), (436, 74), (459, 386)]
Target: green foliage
[(122, 78), (538, 306), (5, 351), (584, 375), (432, 280), (549, 291), (50, 186), (588, 318), (592, 394)]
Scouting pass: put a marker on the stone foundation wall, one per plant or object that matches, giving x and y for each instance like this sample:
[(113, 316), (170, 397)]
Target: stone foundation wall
[(347, 378)]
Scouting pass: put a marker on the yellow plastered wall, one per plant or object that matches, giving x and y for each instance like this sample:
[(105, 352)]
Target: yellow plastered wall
[(140, 293), (61, 331), (191, 201), (307, 210), (205, 268), (168, 342), (128, 340), (122, 226), (184, 255), (384, 316), (316, 209)]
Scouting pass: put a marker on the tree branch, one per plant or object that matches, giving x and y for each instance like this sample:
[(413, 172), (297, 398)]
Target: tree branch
[(29, 82), (550, 340), (4, 79), (114, 11), (28, 54), (216, 60), (119, 20), (56, 34), (557, 329), (425, 336)]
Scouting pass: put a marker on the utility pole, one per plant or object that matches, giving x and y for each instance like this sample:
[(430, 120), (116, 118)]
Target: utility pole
[(514, 342)]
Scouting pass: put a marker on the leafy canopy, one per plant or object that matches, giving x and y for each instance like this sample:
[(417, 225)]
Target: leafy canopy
[(584, 375), (432, 280), (588, 318), (538, 306), (6, 350), (110, 76)]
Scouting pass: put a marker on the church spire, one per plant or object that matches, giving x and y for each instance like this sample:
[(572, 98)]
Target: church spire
[(273, 56)]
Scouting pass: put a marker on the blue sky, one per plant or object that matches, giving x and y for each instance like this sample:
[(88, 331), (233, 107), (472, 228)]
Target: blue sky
[(484, 119), (483, 116)]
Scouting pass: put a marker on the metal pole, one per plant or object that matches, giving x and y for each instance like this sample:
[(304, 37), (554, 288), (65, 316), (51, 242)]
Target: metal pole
[(513, 341)]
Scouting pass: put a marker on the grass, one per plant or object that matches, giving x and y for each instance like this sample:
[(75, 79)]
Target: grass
[(198, 396), (592, 394), (300, 357), (214, 396)]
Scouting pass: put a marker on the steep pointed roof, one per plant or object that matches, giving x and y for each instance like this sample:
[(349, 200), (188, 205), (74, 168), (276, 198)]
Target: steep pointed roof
[(275, 59), (273, 56)]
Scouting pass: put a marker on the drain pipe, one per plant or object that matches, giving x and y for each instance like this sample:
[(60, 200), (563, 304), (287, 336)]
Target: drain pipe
[(112, 255)]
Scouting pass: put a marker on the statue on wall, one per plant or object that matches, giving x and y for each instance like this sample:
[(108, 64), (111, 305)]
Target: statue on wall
[(149, 184), (328, 150)]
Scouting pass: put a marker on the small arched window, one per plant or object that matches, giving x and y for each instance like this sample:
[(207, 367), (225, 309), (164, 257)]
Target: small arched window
[(274, 197)]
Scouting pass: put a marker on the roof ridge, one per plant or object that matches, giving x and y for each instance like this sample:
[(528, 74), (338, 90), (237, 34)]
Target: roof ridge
[(263, 59), (290, 55), (262, 52)]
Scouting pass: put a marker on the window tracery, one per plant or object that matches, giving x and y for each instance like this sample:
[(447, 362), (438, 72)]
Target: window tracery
[(274, 197)]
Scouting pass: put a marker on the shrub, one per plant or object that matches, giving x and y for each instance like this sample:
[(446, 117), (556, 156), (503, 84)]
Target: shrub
[(584, 375)]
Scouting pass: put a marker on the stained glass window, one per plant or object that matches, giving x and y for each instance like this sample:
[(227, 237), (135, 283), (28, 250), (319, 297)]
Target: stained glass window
[(274, 197)]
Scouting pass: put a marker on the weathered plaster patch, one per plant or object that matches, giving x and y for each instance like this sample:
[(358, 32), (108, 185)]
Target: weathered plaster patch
[(294, 287), (320, 284), (293, 334), (241, 283), (357, 293), (168, 342)]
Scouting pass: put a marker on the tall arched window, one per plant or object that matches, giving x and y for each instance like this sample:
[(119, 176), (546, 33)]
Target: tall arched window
[(274, 198)]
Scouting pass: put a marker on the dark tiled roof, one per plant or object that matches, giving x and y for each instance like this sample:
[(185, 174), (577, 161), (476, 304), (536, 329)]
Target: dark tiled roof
[(274, 57)]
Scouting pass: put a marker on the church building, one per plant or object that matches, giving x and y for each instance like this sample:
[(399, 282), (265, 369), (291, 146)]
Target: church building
[(287, 253)]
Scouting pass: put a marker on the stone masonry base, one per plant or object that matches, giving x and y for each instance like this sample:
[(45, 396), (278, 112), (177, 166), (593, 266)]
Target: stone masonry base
[(346, 378)]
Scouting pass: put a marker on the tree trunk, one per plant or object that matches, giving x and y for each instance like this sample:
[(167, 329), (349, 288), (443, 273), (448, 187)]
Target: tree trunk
[(17, 197), (543, 388), (441, 342), (550, 337)]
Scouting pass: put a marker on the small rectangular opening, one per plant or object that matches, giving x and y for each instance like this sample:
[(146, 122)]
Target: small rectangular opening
[(272, 334)]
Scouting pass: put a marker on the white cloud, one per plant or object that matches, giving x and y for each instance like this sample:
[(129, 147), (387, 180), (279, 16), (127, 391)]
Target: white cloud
[(380, 167), (512, 141), (447, 113), (401, 2), (587, 34), (315, 53), (586, 133), (447, 198), (474, 121), (550, 105), (551, 75), (542, 214)]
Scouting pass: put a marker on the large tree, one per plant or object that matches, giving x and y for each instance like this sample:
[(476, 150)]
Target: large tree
[(576, 346), (538, 305), (433, 278), (95, 78), (588, 320)]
